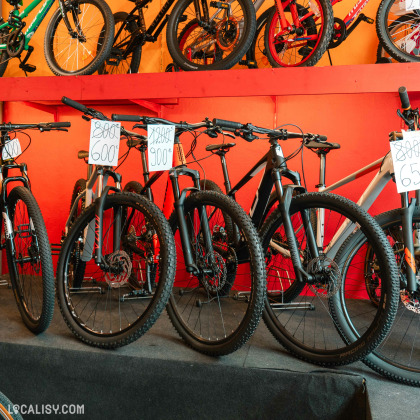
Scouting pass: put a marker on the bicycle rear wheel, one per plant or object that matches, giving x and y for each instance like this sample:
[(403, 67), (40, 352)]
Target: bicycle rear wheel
[(126, 50), (398, 356), (398, 29), (216, 44), (115, 306), (83, 49), (302, 46), (30, 264), (217, 309), (310, 318)]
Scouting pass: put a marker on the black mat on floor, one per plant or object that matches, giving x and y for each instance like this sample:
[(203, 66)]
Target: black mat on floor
[(113, 386)]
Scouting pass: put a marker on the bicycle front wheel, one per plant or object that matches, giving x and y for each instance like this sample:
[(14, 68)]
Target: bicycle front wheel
[(305, 44), (309, 317), (113, 304), (126, 50), (216, 43), (216, 308), (398, 29), (29, 260), (398, 356), (83, 48)]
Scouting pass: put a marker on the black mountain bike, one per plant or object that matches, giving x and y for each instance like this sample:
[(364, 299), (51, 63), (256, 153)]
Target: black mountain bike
[(218, 294), (201, 35), (26, 240), (117, 259), (310, 304)]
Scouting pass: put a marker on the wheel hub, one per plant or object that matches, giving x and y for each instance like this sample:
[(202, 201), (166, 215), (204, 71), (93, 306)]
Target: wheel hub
[(227, 33), (327, 274)]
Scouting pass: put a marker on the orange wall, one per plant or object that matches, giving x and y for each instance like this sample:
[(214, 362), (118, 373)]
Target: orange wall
[(359, 48)]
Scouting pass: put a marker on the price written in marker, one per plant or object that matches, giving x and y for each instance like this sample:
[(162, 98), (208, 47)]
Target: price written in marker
[(406, 158), (11, 149), (160, 148), (104, 142)]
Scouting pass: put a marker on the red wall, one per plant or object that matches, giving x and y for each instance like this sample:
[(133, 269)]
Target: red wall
[(359, 122)]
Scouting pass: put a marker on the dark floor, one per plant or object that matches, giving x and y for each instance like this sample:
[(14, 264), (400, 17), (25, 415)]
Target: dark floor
[(388, 400)]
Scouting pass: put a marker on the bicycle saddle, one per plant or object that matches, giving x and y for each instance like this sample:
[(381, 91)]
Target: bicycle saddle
[(82, 154), (223, 146), (322, 145)]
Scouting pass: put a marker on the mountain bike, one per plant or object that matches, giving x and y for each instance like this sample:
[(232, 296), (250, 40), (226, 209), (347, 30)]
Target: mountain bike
[(117, 260), (398, 29), (77, 40), (25, 237), (218, 293), (202, 35), (311, 301), (7, 410)]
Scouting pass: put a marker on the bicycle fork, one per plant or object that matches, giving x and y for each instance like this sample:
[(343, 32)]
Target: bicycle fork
[(185, 230)]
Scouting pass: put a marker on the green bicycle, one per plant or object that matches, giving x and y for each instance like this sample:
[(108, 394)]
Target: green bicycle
[(77, 41)]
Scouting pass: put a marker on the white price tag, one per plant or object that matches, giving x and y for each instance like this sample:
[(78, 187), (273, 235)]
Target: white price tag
[(410, 4), (406, 158), (11, 149), (160, 146), (104, 142)]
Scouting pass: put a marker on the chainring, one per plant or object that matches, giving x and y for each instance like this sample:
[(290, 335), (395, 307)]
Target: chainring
[(15, 44), (339, 34)]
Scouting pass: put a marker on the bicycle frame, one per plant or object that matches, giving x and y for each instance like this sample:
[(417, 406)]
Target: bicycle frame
[(34, 24), (368, 197)]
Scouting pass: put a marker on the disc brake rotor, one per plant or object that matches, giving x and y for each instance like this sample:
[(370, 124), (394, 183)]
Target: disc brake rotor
[(411, 301), (227, 33), (216, 282), (120, 260), (331, 276)]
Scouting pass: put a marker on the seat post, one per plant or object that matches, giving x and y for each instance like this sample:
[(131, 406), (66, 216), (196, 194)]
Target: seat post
[(322, 169)]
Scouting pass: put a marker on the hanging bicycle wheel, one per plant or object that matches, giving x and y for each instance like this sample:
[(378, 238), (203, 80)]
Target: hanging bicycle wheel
[(216, 43), (30, 264), (398, 356), (116, 302), (83, 48), (216, 308), (309, 317), (398, 30), (126, 50), (305, 44)]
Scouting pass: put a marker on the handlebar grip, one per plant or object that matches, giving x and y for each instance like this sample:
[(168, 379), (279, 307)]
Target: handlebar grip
[(322, 138), (59, 124), (227, 125), (133, 118), (74, 104), (405, 101)]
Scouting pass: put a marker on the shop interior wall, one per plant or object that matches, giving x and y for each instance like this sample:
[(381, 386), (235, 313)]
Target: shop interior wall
[(359, 122), (359, 48)]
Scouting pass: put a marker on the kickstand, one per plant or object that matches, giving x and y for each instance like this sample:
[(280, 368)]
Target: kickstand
[(329, 56)]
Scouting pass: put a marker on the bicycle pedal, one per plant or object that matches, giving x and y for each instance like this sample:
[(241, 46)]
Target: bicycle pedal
[(28, 68)]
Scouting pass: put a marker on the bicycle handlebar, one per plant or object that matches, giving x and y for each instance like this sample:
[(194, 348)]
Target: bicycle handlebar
[(44, 126), (76, 105), (405, 101), (246, 130)]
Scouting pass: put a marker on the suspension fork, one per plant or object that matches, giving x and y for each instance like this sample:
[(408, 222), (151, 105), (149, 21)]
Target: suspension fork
[(285, 197), (407, 212), (66, 21), (184, 232)]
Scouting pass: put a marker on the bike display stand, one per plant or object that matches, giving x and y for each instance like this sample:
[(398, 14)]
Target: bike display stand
[(353, 105)]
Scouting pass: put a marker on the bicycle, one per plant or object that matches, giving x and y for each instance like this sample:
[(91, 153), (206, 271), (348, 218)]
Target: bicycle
[(7, 409), (25, 236), (217, 298), (117, 261), (310, 302), (77, 40), (396, 357), (213, 35)]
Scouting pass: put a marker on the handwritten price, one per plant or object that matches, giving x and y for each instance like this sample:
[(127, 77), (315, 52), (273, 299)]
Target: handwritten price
[(160, 146), (405, 156), (104, 142)]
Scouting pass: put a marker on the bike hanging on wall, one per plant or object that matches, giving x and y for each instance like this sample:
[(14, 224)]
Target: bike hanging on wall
[(202, 35), (77, 40)]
